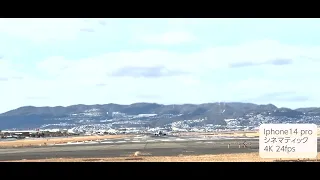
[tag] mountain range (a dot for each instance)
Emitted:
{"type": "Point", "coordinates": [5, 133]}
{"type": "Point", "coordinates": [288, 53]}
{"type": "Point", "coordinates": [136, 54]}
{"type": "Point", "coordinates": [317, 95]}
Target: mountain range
{"type": "Point", "coordinates": [214, 113]}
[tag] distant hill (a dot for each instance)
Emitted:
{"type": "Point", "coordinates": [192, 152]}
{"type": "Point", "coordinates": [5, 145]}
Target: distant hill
{"type": "Point", "coordinates": [215, 113]}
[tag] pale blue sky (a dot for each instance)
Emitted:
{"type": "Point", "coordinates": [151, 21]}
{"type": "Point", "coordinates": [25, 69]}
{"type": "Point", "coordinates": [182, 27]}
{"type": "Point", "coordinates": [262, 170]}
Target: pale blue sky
{"type": "Point", "coordinates": [49, 62]}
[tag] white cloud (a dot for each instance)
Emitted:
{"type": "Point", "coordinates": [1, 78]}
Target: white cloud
{"type": "Point", "coordinates": [9, 70]}
{"type": "Point", "coordinates": [168, 38]}
{"type": "Point", "coordinates": [43, 30]}
{"type": "Point", "coordinates": [76, 81]}
{"type": "Point", "coordinates": [205, 60]}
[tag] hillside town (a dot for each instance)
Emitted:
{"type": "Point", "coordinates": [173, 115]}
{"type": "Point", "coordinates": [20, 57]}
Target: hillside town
{"type": "Point", "coordinates": [84, 124]}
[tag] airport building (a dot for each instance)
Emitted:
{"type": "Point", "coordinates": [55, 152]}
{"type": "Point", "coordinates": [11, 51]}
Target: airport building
{"type": "Point", "coordinates": [36, 133]}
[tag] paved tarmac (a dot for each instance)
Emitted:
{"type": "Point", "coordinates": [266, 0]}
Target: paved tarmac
{"type": "Point", "coordinates": [173, 148]}
{"type": "Point", "coordinates": [121, 148]}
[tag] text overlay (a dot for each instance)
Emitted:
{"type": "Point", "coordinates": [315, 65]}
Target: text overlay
{"type": "Point", "coordinates": [292, 141]}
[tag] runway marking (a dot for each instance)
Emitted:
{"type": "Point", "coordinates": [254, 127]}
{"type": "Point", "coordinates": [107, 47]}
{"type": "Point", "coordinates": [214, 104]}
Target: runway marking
{"type": "Point", "coordinates": [91, 142]}
{"type": "Point", "coordinates": [13, 152]}
{"type": "Point", "coordinates": [188, 151]}
{"type": "Point", "coordinates": [135, 141]}
{"type": "Point", "coordinates": [121, 141]}
{"type": "Point", "coordinates": [165, 140]}
{"type": "Point", "coordinates": [196, 139]}
{"type": "Point", "coordinates": [138, 137]}
{"type": "Point", "coordinates": [75, 142]}
{"type": "Point", "coordinates": [151, 140]}
{"type": "Point", "coordinates": [127, 139]}
{"type": "Point", "coordinates": [107, 142]}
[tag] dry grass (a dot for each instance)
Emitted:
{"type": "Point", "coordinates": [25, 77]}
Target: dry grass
{"type": "Point", "coordinates": [37, 142]}
{"type": "Point", "coordinates": [43, 141]}
{"type": "Point", "coordinates": [241, 157]}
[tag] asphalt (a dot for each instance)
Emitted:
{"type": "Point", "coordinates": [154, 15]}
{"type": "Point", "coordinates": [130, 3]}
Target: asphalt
{"type": "Point", "coordinates": [125, 149]}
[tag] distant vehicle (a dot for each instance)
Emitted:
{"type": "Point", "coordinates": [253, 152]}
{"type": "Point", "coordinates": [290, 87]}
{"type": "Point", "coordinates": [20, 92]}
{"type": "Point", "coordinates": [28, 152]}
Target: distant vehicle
{"type": "Point", "coordinates": [160, 133]}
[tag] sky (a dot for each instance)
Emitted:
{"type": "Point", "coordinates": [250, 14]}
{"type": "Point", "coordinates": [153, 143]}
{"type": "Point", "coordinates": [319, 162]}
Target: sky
{"type": "Point", "coordinates": [61, 62]}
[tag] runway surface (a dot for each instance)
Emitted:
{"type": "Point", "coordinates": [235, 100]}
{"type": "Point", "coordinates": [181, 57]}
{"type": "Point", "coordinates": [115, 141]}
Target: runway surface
{"type": "Point", "coordinates": [148, 146]}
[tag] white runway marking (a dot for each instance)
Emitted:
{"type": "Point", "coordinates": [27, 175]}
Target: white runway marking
{"type": "Point", "coordinates": [135, 141]}
{"type": "Point", "coordinates": [14, 152]}
{"type": "Point", "coordinates": [107, 142]}
{"type": "Point", "coordinates": [196, 139]}
{"type": "Point", "coordinates": [151, 140]}
{"type": "Point", "coordinates": [165, 140]}
{"type": "Point", "coordinates": [92, 142]}
{"type": "Point", "coordinates": [75, 142]}
{"type": "Point", "coordinates": [138, 137]}
{"type": "Point", "coordinates": [121, 141]}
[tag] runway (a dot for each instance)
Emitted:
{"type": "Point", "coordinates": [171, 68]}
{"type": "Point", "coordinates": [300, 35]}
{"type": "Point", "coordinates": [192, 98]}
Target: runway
{"type": "Point", "coordinates": [148, 146]}
{"type": "Point", "coordinates": [121, 148]}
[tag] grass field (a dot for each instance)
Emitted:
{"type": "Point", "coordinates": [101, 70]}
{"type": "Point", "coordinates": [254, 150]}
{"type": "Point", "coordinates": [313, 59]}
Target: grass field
{"type": "Point", "coordinates": [241, 157]}
{"type": "Point", "coordinates": [44, 141]}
